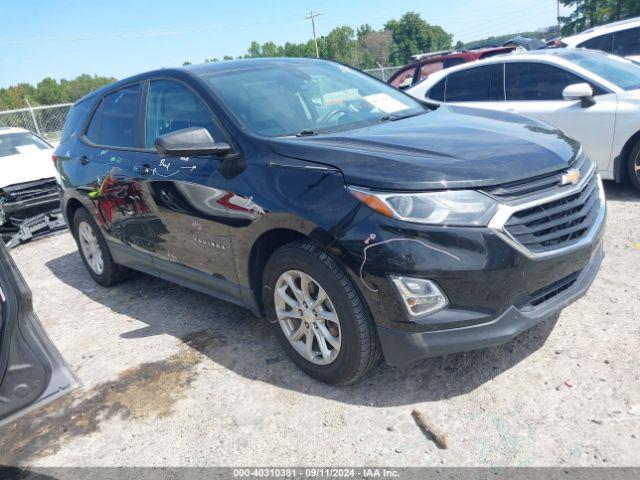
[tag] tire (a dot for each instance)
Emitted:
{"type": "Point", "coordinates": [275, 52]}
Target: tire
{"type": "Point", "coordinates": [633, 166]}
{"type": "Point", "coordinates": [358, 347]}
{"type": "Point", "coordinates": [110, 272]}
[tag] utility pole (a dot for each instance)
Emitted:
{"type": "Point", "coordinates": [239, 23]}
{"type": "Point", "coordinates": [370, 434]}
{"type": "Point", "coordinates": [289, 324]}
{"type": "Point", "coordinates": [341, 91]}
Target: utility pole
{"type": "Point", "coordinates": [312, 17]}
{"type": "Point", "coordinates": [558, 17]}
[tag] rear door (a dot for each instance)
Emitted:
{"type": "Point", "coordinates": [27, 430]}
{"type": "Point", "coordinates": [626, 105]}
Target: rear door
{"type": "Point", "coordinates": [535, 89]}
{"type": "Point", "coordinates": [32, 372]}
{"type": "Point", "coordinates": [116, 189]}
{"type": "Point", "coordinates": [479, 87]}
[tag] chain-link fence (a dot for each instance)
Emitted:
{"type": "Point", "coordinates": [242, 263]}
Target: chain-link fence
{"type": "Point", "coordinates": [46, 121]}
{"type": "Point", "coordinates": [382, 73]}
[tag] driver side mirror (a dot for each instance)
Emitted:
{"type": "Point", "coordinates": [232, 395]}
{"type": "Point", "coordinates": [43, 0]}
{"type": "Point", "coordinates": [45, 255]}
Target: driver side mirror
{"type": "Point", "coordinates": [579, 91]}
{"type": "Point", "coordinates": [192, 141]}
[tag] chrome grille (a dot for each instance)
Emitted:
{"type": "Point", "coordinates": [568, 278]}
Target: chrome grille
{"type": "Point", "coordinates": [540, 185]}
{"type": "Point", "coordinates": [557, 223]}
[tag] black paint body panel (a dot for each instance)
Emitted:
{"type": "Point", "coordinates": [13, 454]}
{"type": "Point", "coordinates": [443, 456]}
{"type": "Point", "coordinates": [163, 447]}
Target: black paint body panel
{"type": "Point", "coordinates": [201, 221]}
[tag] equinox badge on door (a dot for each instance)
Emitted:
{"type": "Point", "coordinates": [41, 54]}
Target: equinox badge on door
{"type": "Point", "coordinates": [571, 177]}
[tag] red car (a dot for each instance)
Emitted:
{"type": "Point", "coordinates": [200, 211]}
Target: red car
{"type": "Point", "coordinates": [425, 64]}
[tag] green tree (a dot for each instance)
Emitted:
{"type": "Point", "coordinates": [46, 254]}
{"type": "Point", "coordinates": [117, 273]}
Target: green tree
{"type": "Point", "coordinates": [339, 45]}
{"type": "Point", "coordinates": [254, 50]}
{"type": "Point", "coordinates": [49, 92]}
{"type": "Point", "coordinates": [590, 13]}
{"type": "Point", "coordinates": [412, 35]}
{"type": "Point", "coordinates": [377, 44]}
{"type": "Point", "coordinates": [270, 49]}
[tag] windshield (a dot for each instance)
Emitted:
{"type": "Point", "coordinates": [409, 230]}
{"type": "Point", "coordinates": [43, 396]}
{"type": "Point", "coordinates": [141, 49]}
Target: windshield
{"type": "Point", "coordinates": [20, 142]}
{"type": "Point", "coordinates": [619, 71]}
{"type": "Point", "coordinates": [308, 98]}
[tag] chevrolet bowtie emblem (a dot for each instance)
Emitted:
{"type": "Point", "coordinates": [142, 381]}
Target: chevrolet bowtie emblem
{"type": "Point", "coordinates": [571, 177]}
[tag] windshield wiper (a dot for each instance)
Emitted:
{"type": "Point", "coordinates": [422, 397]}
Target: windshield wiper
{"type": "Point", "coordinates": [393, 118]}
{"type": "Point", "coordinates": [307, 133]}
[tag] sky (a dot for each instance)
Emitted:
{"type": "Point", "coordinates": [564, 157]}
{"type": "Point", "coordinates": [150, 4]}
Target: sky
{"type": "Point", "coordinates": [62, 39]}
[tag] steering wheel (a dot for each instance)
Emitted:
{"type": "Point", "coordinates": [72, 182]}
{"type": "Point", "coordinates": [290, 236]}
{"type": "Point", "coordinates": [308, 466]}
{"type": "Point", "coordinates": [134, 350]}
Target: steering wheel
{"type": "Point", "coordinates": [334, 112]}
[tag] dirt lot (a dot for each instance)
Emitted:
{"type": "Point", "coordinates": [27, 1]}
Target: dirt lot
{"type": "Point", "coordinates": [172, 377]}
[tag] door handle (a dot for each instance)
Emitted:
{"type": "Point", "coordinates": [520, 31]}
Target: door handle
{"type": "Point", "coordinates": [84, 160]}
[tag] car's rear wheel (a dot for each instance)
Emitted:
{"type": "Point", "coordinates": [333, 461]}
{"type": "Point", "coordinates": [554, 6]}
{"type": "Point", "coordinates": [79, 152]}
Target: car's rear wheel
{"type": "Point", "coordinates": [94, 251]}
{"type": "Point", "coordinates": [317, 314]}
{"type": "Point", "coordinates": [634, 166]}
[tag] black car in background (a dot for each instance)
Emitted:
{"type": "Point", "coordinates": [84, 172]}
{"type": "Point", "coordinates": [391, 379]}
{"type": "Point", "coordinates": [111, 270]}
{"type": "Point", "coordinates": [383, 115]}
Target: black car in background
{"type": "Point", "coordinates": [359, 221]}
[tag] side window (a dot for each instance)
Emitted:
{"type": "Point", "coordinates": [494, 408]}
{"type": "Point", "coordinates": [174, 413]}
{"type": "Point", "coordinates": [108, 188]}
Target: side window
{"type": "Point", "coordinates": [404, 79]}
{"type": "Point", "coordinates": [627, 42]}
{"type": "Point", "coordinates": [603, 42]}
{"type": "Point", "coordinates": [437, 91]}
{"type": "Point", "coordinates": [428, 68]}
{"type": "Point", "coordinates": [172, 106]}
{"type": "Point", "coordinates": [537, 81]}
{"type": "Point", "coordinates": [114, 121]}
{"type": "Point", "coordinates": [452, 62]}
{"type": "Point", "coordinates": [480, 84]}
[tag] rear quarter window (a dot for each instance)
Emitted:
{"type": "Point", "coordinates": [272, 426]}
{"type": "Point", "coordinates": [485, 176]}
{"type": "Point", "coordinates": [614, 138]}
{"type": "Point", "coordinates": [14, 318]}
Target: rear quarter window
{"type": "Point", "coordinates": [404, 79]}
{"type": "Point", "coordinates": [437, 91]}
{"type": "Point", "coordinates": [74, 121]}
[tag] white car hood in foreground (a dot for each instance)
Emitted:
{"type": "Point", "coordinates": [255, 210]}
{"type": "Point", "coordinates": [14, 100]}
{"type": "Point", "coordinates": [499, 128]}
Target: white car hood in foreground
{"type": "Point", "coordinates": [29, 165]}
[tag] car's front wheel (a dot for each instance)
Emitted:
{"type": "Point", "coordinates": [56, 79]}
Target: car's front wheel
{"type": "Point", "coordinates": [94, 251]}
{"type": "Point", "coordinates": [634, 166]}
{"type": "Point", "coordinates": [318, 316]}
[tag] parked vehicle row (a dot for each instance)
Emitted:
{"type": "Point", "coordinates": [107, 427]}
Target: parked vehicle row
{"type": "Point", "coordinates": [592, 96]}
{"type": "Point", "coordinates": [359, 221]}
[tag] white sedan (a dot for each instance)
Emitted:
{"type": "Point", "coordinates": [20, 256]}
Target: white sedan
{"type": "Point", "coordinates": [590, 95]}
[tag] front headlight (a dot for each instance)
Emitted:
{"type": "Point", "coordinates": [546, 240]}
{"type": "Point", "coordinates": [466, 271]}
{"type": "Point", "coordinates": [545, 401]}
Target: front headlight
{"type": "Point", "coordinates": [448, 207]}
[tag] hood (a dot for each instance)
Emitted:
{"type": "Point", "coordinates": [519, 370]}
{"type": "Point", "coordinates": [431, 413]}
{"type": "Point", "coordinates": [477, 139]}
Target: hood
{"type": "Point", "coordinates": [29, 165]}
{"type": "Point", "coordinates": [451, 147]}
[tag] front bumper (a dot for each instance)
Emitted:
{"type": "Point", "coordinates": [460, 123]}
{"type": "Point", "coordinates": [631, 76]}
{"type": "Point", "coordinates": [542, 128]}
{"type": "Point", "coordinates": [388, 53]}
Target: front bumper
{"type": "Point", "coordinates": [28, 210]}
{"type": "Point", "coordinates": [496, 289]}
{"type": "Point", "coordinates": [401, 347]}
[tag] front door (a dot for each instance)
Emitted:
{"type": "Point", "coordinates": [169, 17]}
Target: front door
{"type": "Point", "coordinates": [188, 194]}
{"type": "Point", "coordinates": [535, 90]}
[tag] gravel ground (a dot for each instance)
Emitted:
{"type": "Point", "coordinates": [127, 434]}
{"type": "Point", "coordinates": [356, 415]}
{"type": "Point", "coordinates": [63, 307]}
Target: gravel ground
{"type": "Point", "coordinates": [172, 377]}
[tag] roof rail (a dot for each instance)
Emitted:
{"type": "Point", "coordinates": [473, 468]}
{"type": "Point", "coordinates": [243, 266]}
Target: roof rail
{"type": "Point", "coordinates": [420, 56]}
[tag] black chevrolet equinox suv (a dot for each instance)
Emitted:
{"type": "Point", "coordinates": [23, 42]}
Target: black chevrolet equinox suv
{"type": "Point", "coordinates": [359, 221]}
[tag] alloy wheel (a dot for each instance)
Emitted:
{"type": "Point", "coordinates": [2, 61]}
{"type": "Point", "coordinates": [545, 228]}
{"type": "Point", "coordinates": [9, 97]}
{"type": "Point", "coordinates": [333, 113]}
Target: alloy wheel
{"type": "Point", "coordinates": [90, 248]}
{"type": "Point", "coordinates": [307, 317]}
